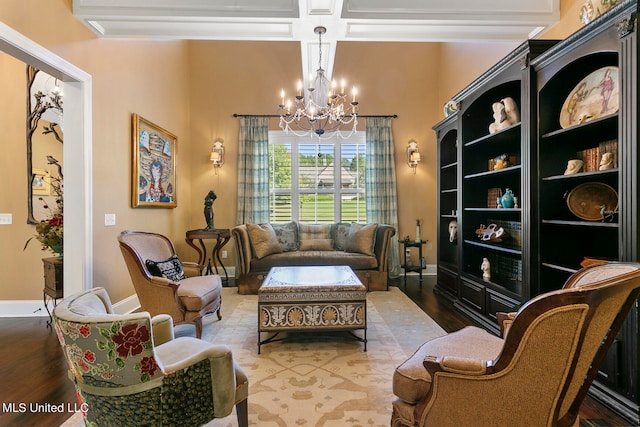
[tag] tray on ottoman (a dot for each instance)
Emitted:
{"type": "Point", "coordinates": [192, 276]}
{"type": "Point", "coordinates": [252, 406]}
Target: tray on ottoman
{"type": "Point", "coordinates": [318, 298]}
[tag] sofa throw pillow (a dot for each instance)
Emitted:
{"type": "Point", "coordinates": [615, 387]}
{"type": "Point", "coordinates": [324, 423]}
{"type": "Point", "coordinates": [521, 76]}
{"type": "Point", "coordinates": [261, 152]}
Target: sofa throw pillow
{"type": "Point", "coordinates": [263, 240]}
{"type": "Point", "coordinates": [309, 232]}
{"type": "Point", "coordinates": [316, 245]}
{"type": "Point", "coordinates": [361, 238]}
{"type": "Point", "coordinates": [287, 235]}
{"type": "Point", "coordinates": [339, 233]}
{"type": "Point", "coordinates": [314, 231]}
{"type": "Point", "coordinates": [170, 268]}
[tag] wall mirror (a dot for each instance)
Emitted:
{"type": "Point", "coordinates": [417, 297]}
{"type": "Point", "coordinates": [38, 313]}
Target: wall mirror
{"type": "Point", "coordinates": [44, 141]}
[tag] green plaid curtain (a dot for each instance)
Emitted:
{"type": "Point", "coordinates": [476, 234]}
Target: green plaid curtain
{"type": "Point", "coordinates": [253, 171]}
{"type": "Point", "coordinates": [380, 182]}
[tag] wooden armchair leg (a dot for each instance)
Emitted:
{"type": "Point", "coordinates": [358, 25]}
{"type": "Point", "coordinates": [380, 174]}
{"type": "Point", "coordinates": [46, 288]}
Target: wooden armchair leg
{"type": "Point", "coordinates": [242, 412]}
{"type": "Point", "coordinates": [218, 312]}
{"type": "Point", "coordinates": [198, 324]}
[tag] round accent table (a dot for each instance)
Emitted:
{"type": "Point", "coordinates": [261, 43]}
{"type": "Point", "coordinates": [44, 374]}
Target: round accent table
{"type": "Point", "coordinates": [221, 237]}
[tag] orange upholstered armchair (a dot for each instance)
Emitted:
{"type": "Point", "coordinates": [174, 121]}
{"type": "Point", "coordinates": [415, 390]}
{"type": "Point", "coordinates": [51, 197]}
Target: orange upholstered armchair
{"type": "Point", "coordinates": [537, 374]}
{"type": "Point", "coordinates": [165, 285]}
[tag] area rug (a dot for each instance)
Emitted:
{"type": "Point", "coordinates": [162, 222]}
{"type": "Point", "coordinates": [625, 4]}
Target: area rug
{"type": "Point", "coordinates": [320, 380]}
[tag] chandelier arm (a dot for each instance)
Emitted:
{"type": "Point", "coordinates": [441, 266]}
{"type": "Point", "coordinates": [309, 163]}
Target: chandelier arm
{"type": "Point", "coordinates": [362, 116]}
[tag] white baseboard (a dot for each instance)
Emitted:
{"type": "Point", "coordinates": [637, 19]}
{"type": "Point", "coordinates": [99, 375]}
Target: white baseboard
{"type": "Point", "coordinates": [231, 272]}
{"type": "Point", "coordinates": [35, 308]}
{"type": "Point", "coordinates": [24, 308]}
{"type": "Point", "coordinates": [127, 305]}
{"type": "Point", "coordinates": [432, 270]}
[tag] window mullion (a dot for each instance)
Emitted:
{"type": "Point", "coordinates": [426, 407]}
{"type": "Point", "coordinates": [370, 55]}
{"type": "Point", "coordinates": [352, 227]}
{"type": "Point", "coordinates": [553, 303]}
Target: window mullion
{"type": "Point", "coordinates": [337, 179]}
{"type": "Point", "coordinates": [295, 196]}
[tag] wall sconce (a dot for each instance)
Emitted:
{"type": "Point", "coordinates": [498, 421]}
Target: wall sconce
{"type": "Point", "coordinates": [217, 154]}
{"type": "Point", "coordinates": [413, 155]}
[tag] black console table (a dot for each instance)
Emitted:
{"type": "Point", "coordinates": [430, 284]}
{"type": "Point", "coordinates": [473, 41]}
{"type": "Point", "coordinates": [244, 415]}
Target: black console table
{"type": "Point", "coordinates": [409, 266]}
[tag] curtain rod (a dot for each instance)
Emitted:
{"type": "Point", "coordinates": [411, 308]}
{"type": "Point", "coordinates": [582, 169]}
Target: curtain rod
{"type": "Point", "coordinates": [392, 116]}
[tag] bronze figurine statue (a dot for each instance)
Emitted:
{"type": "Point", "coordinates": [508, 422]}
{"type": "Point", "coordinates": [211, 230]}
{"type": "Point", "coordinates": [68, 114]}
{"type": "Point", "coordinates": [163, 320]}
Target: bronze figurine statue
{"type": "Point", "coordinates": [208, 209]}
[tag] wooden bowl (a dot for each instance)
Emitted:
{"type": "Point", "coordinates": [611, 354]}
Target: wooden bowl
{"type": "Point", "coordinates": [586, 200]}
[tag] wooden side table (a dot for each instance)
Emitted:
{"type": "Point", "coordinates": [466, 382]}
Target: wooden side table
{"type": "Point", "coordinates": [53, 283]}
{"type": "Point", "coordinates": [417, 268]}
{"type": "Point", "coordinates": [221, 236]}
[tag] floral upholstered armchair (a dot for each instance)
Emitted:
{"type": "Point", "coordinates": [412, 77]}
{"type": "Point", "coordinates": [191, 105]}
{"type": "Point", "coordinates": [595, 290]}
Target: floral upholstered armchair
{"type": "Point", "coordinates": [130, 371]}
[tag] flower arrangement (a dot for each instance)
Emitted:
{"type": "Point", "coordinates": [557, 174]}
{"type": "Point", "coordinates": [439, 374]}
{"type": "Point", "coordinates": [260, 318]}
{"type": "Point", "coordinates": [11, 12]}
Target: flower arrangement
{"type": "Point", "coordinates": [50, 231]}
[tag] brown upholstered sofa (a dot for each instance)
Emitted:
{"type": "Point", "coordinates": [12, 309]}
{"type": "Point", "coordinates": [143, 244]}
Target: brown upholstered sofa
{"type": "Point", "coordinates": [364, 248]}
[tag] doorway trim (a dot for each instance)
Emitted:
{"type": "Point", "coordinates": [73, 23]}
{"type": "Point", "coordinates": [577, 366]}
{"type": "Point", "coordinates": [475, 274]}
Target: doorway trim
{"type": "Point", "coordinates": [77, 152]}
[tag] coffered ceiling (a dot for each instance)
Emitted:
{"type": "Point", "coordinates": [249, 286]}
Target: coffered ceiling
{"type": "Point", "coordinates": [294, 20]}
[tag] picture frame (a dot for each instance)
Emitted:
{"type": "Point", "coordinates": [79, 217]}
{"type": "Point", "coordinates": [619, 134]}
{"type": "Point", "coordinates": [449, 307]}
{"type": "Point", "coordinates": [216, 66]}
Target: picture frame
{"type": "Point", "coordinates": [41, 183]}
{"type": "Point", "coordinates": [153, 172]}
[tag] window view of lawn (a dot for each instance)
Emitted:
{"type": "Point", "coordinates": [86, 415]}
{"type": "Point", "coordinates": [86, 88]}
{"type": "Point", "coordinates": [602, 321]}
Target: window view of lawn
{"type": "Point", "coordinates": [305, 175]}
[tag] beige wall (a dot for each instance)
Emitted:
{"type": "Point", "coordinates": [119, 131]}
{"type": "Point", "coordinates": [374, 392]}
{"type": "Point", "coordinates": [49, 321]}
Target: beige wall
{"type": "Point", "coordinates": [227, 78]}
{"type": "Point", "coordinates": [192, 89]}
{"type": "Point", "coordinates": [569, 22]}
{"type": "Point", "coordinates": [146, 77]}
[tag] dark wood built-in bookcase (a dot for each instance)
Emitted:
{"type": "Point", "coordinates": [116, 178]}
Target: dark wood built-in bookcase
{"type": "Point", "coordinates": [569, 236]}
{"type": "Point", "coordinates": [448, 270]}
{"type": "Point", "coordinates": [550, 238]}
{"type": "Point", "coordinates": [469, 183]}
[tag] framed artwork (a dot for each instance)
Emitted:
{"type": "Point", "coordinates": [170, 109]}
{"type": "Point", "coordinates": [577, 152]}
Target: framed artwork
{"type": "Point", "coordinates": [41, 184]}
{"type": "Point", "coordinates": [153, 175]}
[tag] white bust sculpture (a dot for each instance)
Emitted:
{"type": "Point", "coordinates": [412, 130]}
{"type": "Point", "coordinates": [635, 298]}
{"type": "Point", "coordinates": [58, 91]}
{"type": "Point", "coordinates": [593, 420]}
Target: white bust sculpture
{"type": "Point", "coordinates": [606, 162]}
{"type": "Point", "coordinates": [573, 166]}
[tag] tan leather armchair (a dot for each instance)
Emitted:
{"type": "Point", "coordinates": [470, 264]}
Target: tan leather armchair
{"type": "Point", "coordinates": [130, 371]}
{"type": "Point", "coordinates": [186, 300]}
{"type": "Point", "coordinates": [536, 375]}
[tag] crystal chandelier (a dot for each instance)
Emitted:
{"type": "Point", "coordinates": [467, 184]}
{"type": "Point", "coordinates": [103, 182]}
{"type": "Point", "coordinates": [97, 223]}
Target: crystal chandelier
{"type": "Point", "coordinates": [324, 110]}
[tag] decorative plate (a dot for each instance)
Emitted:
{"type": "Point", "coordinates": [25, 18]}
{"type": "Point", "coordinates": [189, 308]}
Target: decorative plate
{"type": "Point", "coordinates": [597, 95]}
{"type": "Point", "coordinates": [586, 200]}
{"type": "Point", "coordinates": [450, 107]}
{"type": "Point", "coordinates": [591, 9]}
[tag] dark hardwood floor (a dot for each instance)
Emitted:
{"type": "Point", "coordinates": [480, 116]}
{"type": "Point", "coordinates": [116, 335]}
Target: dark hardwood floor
{"type": "Point", "coordinates": [33, 370]}
{"type": "Point", "coordinates": [592, 413]}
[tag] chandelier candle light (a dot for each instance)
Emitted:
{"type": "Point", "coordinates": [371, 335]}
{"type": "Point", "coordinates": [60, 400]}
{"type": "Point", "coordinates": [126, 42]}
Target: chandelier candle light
{"type": "Point", "coordinates": [322, 110]}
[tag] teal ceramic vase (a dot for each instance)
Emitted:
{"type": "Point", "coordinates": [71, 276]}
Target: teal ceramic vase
{"type": "Point", "coordinates": [507, 199]}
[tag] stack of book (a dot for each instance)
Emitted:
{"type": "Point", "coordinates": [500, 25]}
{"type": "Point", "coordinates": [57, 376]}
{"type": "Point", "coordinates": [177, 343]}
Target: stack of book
{"type": "Point", "coordinates": [492, 197]}
{"type": "Point", "coordinates": [507, 267]}
{"type": "Point", "coordinates": [592, 156]}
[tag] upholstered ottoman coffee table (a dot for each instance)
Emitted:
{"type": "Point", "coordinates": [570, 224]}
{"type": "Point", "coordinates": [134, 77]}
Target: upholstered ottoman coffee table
{"type": "Point", "coordinates": [321, 298]}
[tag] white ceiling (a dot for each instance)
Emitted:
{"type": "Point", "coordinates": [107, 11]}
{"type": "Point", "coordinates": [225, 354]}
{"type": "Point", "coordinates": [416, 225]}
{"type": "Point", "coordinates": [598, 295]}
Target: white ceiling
{"type": "Point", "coordinates": [345, 20]}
